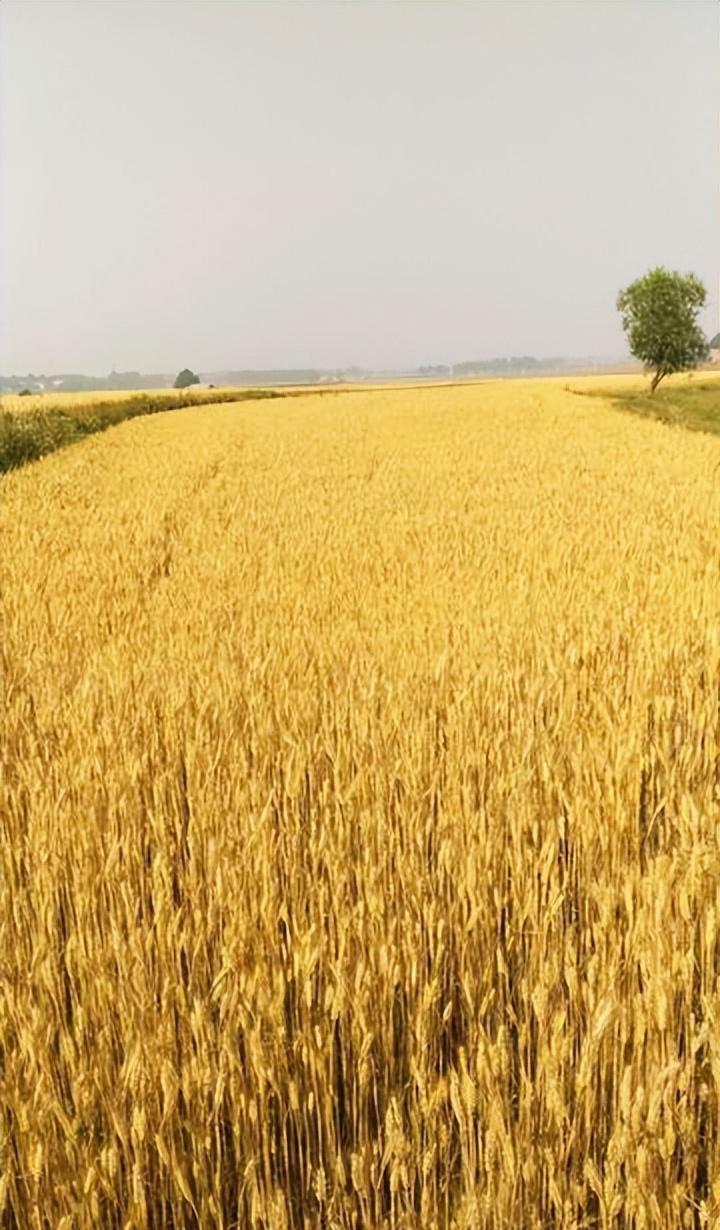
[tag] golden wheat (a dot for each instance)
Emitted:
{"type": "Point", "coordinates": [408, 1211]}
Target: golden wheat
{"type": "Point", "coordinates": [13, 403]}
{"type": "Point", "coordinates": [360, 819]}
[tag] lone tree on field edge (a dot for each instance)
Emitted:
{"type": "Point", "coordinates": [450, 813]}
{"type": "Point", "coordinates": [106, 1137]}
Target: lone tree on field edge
{"type": "Point", "coordinates": [659, 314]}
{"type": "Point", "coordinates": [185, 378]}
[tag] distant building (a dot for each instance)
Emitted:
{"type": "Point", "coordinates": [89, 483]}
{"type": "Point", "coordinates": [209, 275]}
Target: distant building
{"type": "Point", "coordinates": [714, 356]}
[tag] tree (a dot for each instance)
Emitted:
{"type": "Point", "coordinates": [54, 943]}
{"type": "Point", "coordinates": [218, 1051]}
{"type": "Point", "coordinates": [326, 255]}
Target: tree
{"type": "Point", "coordinates": [659, 316]}
{"type": "Point", "coordinates": [185, 378]}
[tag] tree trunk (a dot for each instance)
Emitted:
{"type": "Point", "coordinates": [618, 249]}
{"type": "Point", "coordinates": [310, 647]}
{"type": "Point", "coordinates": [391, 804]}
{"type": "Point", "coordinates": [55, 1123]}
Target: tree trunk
{"type": "Point", "coordinates": [656, 379]}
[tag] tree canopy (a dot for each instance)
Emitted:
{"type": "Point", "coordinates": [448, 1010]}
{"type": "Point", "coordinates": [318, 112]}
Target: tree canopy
{"type": "Point", "coordinates": [185, 378]}
{"type": "Point", "coordinates": [659, 314]}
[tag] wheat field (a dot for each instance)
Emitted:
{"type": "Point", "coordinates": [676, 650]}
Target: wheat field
{"type": "Point", "coordinates": [359, 819]}
{"type": "Point", "coordinates": [13, 403]}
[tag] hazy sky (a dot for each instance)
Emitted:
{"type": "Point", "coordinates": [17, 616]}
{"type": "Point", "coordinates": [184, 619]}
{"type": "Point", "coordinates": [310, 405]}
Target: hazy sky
{"type": "Point", "coordinates": [227, 184]}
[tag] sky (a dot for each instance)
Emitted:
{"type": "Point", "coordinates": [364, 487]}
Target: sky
{"type": "Point", "coordinates": [219, 184]}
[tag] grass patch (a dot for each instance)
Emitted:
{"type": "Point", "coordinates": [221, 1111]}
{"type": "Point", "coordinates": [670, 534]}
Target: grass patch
{"type": "Point", "coordinates": [694, 405]}
{"type": "Point", "coordinates": [29, 435]}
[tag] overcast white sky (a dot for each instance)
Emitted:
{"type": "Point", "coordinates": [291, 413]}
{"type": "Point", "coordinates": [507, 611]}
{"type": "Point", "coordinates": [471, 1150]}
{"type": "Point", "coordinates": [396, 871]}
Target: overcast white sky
{"type": "Point", "coordinates": [225, 184]}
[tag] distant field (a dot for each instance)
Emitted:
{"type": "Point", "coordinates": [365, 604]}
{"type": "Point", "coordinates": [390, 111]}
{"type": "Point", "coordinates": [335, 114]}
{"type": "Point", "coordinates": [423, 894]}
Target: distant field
{"type": "Point", "coordinates": [360, 815]}
{"type": "Point", "coordinates": [68, 402]}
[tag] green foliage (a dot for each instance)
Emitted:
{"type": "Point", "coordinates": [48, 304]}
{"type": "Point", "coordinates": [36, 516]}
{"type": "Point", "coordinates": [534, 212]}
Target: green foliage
{"type": "Point", "coordinates": [659, 315]}
{"type": "Point", "coordinates": [185, 378]}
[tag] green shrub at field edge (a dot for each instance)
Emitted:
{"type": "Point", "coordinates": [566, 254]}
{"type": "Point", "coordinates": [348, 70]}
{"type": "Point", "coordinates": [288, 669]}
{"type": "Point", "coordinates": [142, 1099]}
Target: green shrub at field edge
{"type": "Point", "coordinates": [694, 404]}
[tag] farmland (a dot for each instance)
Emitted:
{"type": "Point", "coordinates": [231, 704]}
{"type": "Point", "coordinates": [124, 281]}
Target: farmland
{"type": "Point", "coordinates": [359, 854]}
{"type": "Point", "coordinates": [32, 427]}
{"type": "Point", "coordinates": [691, 402]}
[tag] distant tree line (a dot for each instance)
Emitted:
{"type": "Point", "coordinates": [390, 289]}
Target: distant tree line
{"type": "Point", "coordinates": [505, 365]}
{"type": "Point", "coordinates": [76, 382]}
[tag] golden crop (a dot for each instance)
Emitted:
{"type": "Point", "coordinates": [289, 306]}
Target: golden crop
{"type": "Point", "coordinates": [13, 403]}
{"type": "Point", "coordinates": [359, 819]}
